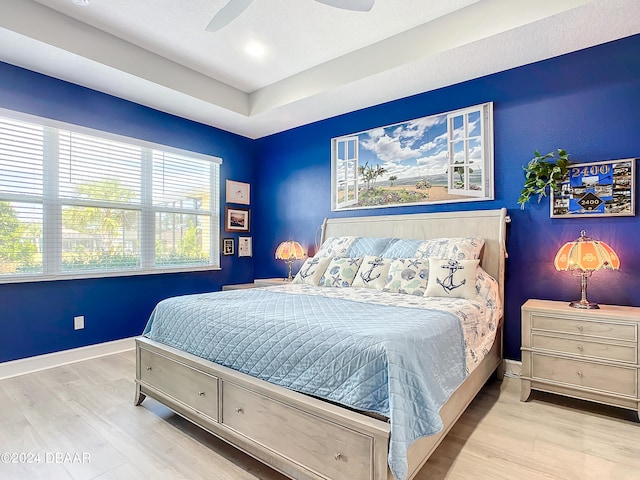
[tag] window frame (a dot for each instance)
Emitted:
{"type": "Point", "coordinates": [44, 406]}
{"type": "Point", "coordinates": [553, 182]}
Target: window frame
{"type": "Point", "coordinates": [52, 204]}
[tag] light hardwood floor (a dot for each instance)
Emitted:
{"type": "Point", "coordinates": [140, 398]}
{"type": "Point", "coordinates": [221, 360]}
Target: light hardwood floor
{"type": "Point", "coordinates": [81, 421]}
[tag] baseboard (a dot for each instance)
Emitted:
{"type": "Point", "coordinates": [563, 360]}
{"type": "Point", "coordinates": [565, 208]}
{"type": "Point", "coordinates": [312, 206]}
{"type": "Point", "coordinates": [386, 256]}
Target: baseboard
{"type": "Point", "coordinates": [512, 368]}
{"type": "Point", "coordinates": [50, 360]}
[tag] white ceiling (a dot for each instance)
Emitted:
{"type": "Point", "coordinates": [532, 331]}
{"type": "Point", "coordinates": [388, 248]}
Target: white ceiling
{"type": "Point", "coordinates": [319, 61]}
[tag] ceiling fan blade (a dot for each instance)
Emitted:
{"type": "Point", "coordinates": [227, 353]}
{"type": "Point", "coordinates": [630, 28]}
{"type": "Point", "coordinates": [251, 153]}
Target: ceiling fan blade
{"type": "Point", "coordinates": [227, 14]}
{"type": "Point", "coordinates": [355, 5]}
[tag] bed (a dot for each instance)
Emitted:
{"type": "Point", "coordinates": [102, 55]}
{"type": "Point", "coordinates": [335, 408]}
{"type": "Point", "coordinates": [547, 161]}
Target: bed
{"type": "Point", "coordinates": [320, 422]}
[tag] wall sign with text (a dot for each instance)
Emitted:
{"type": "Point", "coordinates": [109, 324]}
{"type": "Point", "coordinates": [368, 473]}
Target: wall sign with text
{"type": "Point", "coordinates": [598, 189]}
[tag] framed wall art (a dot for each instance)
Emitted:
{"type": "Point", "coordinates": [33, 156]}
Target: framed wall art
{"type": "Point", "coordinates": [238, 192]}
{"type": "Point", "coordinates": [236, 219]}
{"type": "Point", "coordinates": [598, 189]}
{"type": "Point", "coordinates": [441, 158]}
{"type": "Point", "coordinates": [228, 246]}
{"type": "Point", "coordinates": [244, 247]}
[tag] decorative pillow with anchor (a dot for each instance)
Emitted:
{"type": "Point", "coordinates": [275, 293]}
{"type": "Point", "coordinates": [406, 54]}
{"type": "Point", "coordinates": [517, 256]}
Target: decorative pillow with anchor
{"type": "Point", "coordinates": [312, 270]}
{"type": "Point", "coordinates": [372, 273]}
{"type": "Point", "coordinates": [452, 278]}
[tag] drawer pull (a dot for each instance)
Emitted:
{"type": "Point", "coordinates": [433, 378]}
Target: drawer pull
{"type": "Point", "coordinates": [580, 347]}
{"type": "Point", "coordinates": [201, 394]}
{"type": "Point", "coordinates": [580, 373]}
{"type": "Point", "coordinates": [149, 368]}
{"type": "Point", "coordinates": [239, 410]}
{"type": "Point", "coordinates": [338, 457]}
{"type": "Point", "coordinates": [580, 328]}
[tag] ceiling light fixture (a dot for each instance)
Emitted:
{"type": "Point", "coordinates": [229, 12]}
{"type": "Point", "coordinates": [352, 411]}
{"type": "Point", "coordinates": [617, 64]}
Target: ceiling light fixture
{"type": "Point", "coordinates": [255, 49]}
{"type": "Point", "coordinates": [81, 3]}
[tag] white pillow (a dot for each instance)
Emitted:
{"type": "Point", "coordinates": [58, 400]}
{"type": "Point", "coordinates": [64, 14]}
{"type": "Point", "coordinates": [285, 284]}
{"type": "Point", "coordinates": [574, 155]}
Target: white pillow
{"type": "Point", "coordinates": [340, 272]}
{"type": "Point", "coordinates": [452, 278]}
{"type": "Point", "coordinates": [372, 273]}
{"type": "Point", "coordinates": [408, 275]}
{"type": "Point", "coordinates": [312, 270]}
{"type": "Point", "coordinates": [335, 246]}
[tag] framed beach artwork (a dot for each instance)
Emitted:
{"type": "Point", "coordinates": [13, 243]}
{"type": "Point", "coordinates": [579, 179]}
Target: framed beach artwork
{"type": "Point", "coordinates": [440, 158]}
{"type": "Point", "coordinates": [236, 219]}
{"type": "Point", "coordinates": [238, 192]}
{"type": "Point", "coordinates": [598, 189]}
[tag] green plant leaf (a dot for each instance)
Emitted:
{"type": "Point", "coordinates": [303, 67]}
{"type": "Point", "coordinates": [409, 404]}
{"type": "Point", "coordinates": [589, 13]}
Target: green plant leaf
{"type": "Point", "coordinates": [542, 173]}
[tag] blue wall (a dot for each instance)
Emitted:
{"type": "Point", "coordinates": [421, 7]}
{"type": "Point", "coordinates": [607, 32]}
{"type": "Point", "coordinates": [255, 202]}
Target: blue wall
{"type": "Point", "coordinates": [37, 318]}
{"type": "Point", "coordinates": [586, 102]}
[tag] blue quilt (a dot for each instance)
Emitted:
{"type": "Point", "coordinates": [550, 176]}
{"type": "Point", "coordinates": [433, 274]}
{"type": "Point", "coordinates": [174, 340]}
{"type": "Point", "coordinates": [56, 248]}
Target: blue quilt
{"type": "Point", "coordinates": [400, 362]}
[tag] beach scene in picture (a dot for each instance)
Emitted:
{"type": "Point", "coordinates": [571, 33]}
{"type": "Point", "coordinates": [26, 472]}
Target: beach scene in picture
{"type": "Point", "coordinates": [433, 159]}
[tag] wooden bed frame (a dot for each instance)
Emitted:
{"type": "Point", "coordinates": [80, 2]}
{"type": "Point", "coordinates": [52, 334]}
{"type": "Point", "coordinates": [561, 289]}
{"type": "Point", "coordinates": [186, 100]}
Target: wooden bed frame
{"type": "Point", "coordinates": [301, 436]}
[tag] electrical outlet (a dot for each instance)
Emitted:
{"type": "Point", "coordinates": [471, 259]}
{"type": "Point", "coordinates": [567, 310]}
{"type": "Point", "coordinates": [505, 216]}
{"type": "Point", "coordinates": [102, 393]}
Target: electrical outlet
{"type": "Point", "coordinates": [78, 322]}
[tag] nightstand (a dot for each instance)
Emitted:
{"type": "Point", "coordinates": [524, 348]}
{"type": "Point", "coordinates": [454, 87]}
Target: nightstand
{"type": "Point", "coordinates": [259, 282]}
{"type": "Point", "coordinates": [271, 282]}
{"type": "Point", "coordinates": [586, 354]}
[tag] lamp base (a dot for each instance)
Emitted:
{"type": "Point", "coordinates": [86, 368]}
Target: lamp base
{"type": "Point", "coordinates": [586, 304]}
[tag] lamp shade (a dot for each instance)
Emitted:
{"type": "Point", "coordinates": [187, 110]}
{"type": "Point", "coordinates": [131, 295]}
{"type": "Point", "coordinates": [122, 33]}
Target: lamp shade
{"type": "Point", "coordinates": [290, 250]}
{"type": "Point", "coordinates": [587, 255]}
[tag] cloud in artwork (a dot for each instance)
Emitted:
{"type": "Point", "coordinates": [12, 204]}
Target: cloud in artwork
{"type": "Point", "coordinates": [405, 141]}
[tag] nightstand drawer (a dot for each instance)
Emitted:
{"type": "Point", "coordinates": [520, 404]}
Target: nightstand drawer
{"type": "Point", "coordinates": [605, 378]}
{"type": "Point", "coordinates": [614, 331]}
{"type": "Point", "coordinates": [586, 348]}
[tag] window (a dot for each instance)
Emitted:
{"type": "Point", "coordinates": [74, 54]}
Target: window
{"type": "Point", "coordinates": [75, 202]}
{"type": "Point", "coordinates": [441, 158]}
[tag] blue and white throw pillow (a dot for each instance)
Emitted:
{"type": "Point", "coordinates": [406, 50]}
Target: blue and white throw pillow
{"type": "Point", "coordinates": [372, 273]}
{"type": "Point", "coordinates": [312, 270]}
{"type": "Point", "coordinates": [452, 278]}
{"type": "Point", "coordinates": [335, 246]}
{"type": "Point", "coordinates": [408, 275]}
{"type": "Point", "coordinates": [457, 248]}
{"type": "Point", "coordinates": [340, 272]}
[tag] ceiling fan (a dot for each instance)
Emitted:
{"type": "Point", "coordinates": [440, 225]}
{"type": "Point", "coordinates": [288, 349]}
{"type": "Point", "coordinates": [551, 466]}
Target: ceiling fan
{"type": "Point", "coordinates": [235, 7]}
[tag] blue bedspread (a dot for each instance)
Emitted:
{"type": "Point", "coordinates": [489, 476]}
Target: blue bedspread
{"type": "Point", "coordinates": [396, 361]}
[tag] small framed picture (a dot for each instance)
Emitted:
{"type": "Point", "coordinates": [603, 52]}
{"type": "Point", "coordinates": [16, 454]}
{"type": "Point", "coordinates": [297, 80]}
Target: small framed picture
{"type": "Point", "coordinates": [236, 219]}
{"type": "Point", "coordinates": [228, 246]}
{"type": "Point", "coordinates": [244, 247]}
{"type": "Point", "coordinates": [238, 192]}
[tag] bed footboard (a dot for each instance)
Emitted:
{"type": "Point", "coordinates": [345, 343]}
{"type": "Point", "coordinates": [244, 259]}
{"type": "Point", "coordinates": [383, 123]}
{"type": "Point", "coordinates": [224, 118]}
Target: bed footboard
{"type": "Point", "coordinates": [302, 437]}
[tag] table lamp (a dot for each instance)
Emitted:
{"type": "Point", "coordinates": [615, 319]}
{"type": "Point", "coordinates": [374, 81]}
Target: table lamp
{"type": "Point", "coordinates": [290, 251]}
{"type": "Point", "coordinates": [582, 257]}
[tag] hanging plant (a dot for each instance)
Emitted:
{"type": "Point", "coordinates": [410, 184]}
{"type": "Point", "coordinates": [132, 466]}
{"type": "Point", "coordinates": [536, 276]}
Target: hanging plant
{"type": "Point", "coordinates": [543, 173]}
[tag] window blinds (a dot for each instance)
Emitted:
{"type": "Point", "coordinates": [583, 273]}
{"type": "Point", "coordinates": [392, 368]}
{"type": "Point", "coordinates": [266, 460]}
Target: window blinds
{"type": "Point", "coordinates": [76, 202]}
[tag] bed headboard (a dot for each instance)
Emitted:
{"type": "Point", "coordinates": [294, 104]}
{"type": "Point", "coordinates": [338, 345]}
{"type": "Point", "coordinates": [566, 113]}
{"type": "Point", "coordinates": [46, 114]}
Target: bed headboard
{"type": "Point", "coordinates": [487, 224]}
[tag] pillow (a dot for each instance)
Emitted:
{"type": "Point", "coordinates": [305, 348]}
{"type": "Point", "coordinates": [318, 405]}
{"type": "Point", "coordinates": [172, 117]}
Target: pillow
{"type": "Point", "coordinates": [457, 248]}
{"type": "Point", "coordinates": [407, 275]}
{"type": "Point", "coordinates": [372, 273]}
{"type": "Point", "coordinates": [335, 247]}
{"type": "Point", "coordinates": [363, 246]}
{"type": "Point", "coordinates": [340, 272]}
{"type": "Point", "coordinates": [355, 247]}
{"type": "Point", "coordinates": [312, 270]}
{"type": "Point", "coordinates": [402, 248]}
{"type": "Point", "coordinates": [452, 248]}
{"type": "Point", "coordinates": [452, 278]}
